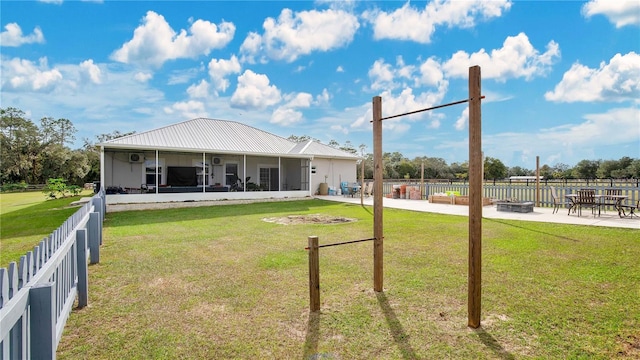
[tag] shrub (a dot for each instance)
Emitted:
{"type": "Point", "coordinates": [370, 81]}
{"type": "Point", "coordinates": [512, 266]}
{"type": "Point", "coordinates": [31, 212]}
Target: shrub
{"type": "Point", "coordinates": [55, 187]}
{"type": "Point", "coordinates": [21, 186]}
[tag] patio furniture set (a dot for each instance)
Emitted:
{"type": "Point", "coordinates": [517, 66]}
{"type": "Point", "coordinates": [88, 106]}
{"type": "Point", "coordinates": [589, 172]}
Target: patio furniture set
{"type": "Point", "coordinates": [588, 199]}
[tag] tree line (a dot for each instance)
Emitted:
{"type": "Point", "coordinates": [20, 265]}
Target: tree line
{"type": "Point", "coordinates": [33, 154]}
{"type": "Point", "coordinates": [397, 166]}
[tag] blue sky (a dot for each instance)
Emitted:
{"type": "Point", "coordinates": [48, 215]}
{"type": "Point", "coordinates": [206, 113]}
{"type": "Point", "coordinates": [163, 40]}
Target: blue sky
{"type": "Point", "coordinates": [561, 78]}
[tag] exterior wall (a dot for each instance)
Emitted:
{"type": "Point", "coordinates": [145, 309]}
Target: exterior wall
{"type": "Point", "coordinates": [335, 170]}
{"type": "Point", "coordinates": [119, 172]}
{"type": "Point", "coordinates": [293, 175]}
{"type": "Point", "coordinates": [182, 197]}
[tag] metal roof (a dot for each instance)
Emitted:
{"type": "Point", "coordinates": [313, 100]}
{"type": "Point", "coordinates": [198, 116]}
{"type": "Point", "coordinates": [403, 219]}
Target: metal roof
{"type": "Point", "coordinates": [224, 137]}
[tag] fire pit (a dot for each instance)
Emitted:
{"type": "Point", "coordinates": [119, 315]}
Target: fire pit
{"type": "Point", "coordinates": [515, 206]}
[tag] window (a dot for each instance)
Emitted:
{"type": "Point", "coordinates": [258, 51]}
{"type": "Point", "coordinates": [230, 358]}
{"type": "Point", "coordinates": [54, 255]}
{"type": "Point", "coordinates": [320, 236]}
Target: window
{"type": "Point", "coordinates": [231, 173]}
{"type": "Point", "coordinates": [269, 179]}
{"type": "Point", "coordinates": [199, 173]}
{"type": "Point", "coordinates": [150, 172]}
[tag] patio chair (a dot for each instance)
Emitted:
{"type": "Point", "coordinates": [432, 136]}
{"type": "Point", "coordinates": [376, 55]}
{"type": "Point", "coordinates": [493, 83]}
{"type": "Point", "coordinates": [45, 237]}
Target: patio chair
{"type": "Point", "coordinates": [609, 198]}
{"type": "Point", "coordinates": [587, 199]}
{"type": "Point", "coordinates": [558, 201]}
{"type": "Point", "coordinates": [632, 207]}
{"type": "Point", "coordinates": [368, 189]}
{"type": "Point", "coordinates": [345, 189]}
{"type": "Point", "coordinates": [355, 189]}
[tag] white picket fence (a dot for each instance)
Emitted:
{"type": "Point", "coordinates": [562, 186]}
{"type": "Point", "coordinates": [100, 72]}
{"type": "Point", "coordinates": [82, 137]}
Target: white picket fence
{"type": "Point", "coordinates": [38, 294]}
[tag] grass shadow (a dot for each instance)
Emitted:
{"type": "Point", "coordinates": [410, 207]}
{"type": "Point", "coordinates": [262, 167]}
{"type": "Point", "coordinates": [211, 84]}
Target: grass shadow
{"type": "Point", "coordinates": [313, 334]}
{"type": "Point", "coordinates": [399, 335]}
{"type": "Point", "coordinates": [562, 237]}
{"type": "Point", "coordinates": [490, 342]}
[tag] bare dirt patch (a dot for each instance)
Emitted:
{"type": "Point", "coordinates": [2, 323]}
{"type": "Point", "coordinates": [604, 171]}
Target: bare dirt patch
{"type": "Point", "coordinates": [309, 219]}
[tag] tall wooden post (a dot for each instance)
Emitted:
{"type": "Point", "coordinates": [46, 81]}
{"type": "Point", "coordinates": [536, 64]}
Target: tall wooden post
{"type": "Point", "coordinates": [421, 179]}
{"type": "Point", "coordinates": [377, 195]}
{"type": "Point", "coordinates": [475, 197]}
{"type": "Point", "coordinates": [537, 181]}
{"type": "Point", "coordinates": [362, 182]}
{"type": "Point", "coordinates": [314, 274]}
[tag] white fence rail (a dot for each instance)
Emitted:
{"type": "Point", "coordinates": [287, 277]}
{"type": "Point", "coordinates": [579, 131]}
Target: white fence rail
{"type": "Point", "coordinates": [38, 293]}
{"type": "Point", "coordinates": [520, 190]}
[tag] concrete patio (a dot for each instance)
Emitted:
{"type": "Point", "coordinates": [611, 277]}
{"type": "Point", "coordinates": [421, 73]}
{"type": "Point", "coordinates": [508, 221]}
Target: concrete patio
{"type": "Point", "coordinates": [609, 218]}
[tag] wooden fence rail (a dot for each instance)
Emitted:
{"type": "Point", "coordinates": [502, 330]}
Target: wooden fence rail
{"type": "Point", "coordinates": [38, 293]}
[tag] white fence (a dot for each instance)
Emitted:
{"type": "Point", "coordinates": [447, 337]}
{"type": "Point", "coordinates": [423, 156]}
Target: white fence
{"type": "Point", "coordinates": [38, 293]}
{"type": "Point", "coordinates": [521, 191]}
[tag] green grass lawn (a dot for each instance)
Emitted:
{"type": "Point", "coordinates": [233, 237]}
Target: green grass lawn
{"type": "Point", "coordinates": [219, 282]}
{"type": "Point", "coordinates": [26, 218]}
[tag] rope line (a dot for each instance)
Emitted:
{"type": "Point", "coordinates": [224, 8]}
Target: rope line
{"type": "Point", "coordinates": [342, 243]}
{"type": "Point", "coordinates": [427, 109]}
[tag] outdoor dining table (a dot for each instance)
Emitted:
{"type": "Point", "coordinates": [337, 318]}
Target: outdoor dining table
{"type": "Point", "coordinates": [573, 198]}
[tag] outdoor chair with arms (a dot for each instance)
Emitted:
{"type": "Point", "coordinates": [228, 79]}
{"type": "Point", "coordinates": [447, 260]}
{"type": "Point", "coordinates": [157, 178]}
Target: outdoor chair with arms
{"type": "Point", "coordinates": [610, 199]}
{"type": "Point", "coordinates": [587, 199]}
{"type": "Point", "coordinates": [558, 201]}
{"type": "Point", "coordinates": [345, 189]}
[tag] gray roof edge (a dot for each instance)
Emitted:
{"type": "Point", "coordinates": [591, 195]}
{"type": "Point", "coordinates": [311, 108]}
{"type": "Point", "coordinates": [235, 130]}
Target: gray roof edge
{"type": "Point", "coordinates": [209, 151]}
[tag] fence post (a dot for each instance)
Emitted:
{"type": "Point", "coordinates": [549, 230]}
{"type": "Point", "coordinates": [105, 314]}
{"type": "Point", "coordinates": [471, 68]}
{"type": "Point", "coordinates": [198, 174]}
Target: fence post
{"type": "Point", "coordinates": [94, 236]}
{"type": "Point", "coordinates": [43, 322]}
{"type": "Point", "coordinates": [99, 207]}
{"type": "Point", "coordinates": [83, 270]}
{"type": "Point", "coordinates": [314, 274]}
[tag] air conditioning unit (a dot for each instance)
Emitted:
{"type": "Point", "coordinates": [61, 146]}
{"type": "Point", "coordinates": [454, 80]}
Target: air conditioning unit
{"type": "Point", "coordinates": [136, 157]}
{"type": "Point", "coordinates": [217, 161]}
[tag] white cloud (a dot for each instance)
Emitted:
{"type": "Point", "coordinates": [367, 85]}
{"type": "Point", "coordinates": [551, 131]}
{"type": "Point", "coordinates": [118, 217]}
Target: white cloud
{"type": "Point", "coordinates": [187, 109]}
{"type": "Point", "coordinates": [617, 81]}
{"type": "Point", "coordinates": [92, 71]}
{"type": "Point", "coordinates": [251, 46]}
{"type": "Point", "coordinates": [619, 12]}
{"type": "Point", "coordinates": [463, 120]}
{"type": "Point", "coordinates": [285, 116]}
{"type": "Point", "coordinates": [142, 76]}
{"type": "Point", "coordinates": [402, 103]}
{"type": "Point", "coordinates": [155, 42]}
{"type": "Point", "coordinates": [220, 69]}
{"type": "Point", "coordinates": [296, 34]}
{"type": "Point", "coordinates": [200, 90]}
{"type": "Point", "coordinates": [517, 58]}
{"type": "Point", "coordinates": [381, 75]}
{"type": "Point", "coordinates": [254, 92]}
{"type": "Point", "coordinates": [323, 98]}
{"type": "Point", "coordinates": [25, 75]}
{"type": "Point", "coordinates": [12, 36]}
{"type": "Point", "coordinates": [340, 69]}
{"type": "Point", "coordinates": [574, 142]}
{"type": "Point", "coordinates": [410, 23]}
{"type": "Point", "coordinates": [430, 73]}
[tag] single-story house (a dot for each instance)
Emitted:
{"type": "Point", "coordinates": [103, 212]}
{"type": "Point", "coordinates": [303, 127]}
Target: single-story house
{"type": "Point", "coordinates": [208, 159]}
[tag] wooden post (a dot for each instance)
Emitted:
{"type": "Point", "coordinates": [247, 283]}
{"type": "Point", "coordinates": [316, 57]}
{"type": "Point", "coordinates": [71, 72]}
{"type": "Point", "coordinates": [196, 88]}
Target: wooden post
{"type": "Point", "coordinates": [537, 181]}
{"type": "Point", "coordinates": [421, 179]}
{"type": "Point", "coordinates": [314, 274]}
{"type": "Point", "coordinates": [475, 197]}
{"type": "Point", "coordinates": [377, 196]}
{"type": "Point", "coordinates": [362, 182]}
